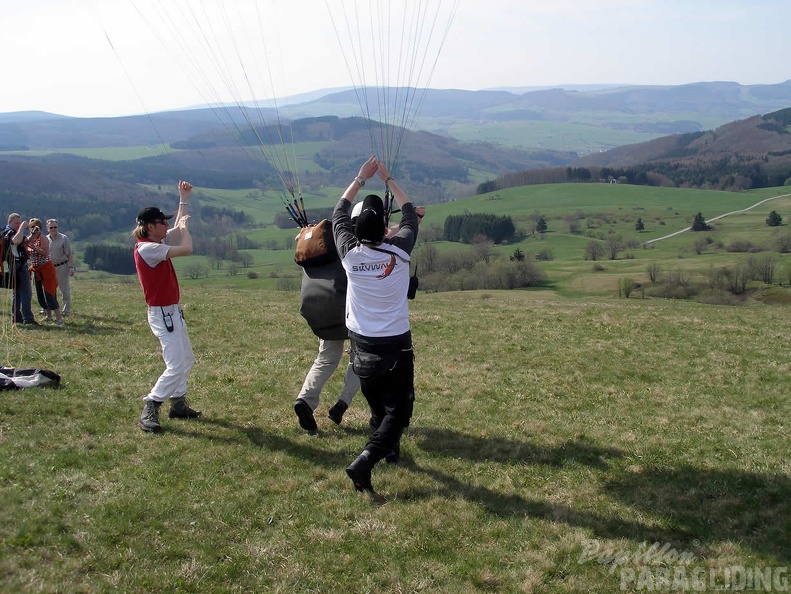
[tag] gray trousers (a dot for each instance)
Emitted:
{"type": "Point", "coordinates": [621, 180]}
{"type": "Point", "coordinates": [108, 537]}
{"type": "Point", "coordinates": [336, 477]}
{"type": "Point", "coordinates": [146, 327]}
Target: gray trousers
{"type": "Point", "coordinates": [327, 361]}
{"type": "Point", "coordinates": [65, 289]}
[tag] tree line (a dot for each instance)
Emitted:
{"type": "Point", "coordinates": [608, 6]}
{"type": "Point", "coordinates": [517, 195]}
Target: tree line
{"type": "Point", "coordinates": [464, 228]}
{"type": "Point", "coordinates": [735, 173]}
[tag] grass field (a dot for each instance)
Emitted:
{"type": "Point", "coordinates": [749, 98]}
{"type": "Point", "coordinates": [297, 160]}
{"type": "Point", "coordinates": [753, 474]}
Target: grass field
{"type": "Point", "coordinates": [600, 211]}
{"type": "Point", "coordinates": [118, 153]}
{"type": "Point", "coordinates": [558, 445]}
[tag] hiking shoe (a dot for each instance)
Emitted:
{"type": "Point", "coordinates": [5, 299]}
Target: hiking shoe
{"type": "Point", "coordinates": [360, 473]}
{"type": "Point", "coordinates": [305, 416]}
{"type": "Point", "coordinates": [336, 412]}
{"type": "Point", "coordinates": [180, 409]}
{"type": "Point", "coordinates": [59, 322]}
{"type": "Point", "coordinates": [149, 419]}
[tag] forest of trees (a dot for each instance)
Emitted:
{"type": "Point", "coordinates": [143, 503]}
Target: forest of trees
{"type": "Point", "coordinates": [733, 173]}
{"type": "Point", "coordinates": [464, 228]}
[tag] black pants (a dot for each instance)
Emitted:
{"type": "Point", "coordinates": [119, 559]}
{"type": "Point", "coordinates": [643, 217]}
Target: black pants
{"type": "Point", "coordinates": [387, 375]}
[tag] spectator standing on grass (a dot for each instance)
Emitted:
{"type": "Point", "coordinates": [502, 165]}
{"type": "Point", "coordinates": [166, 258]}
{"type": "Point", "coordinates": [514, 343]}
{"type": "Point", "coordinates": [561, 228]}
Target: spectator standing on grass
{"type": "Point", "coordinates": [377, 314]}
{"type": "Point", "coordinates": [63, 259]}
{"type": "Point", "coordinates": [156, 246]}
{"type": "Point", "coordinates": [45, 278]}
{"type": "Point", "coordinates": [16, 256]}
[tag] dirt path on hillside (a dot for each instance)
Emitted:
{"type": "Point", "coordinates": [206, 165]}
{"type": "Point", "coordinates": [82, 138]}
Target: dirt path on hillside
{"type": "Point", "coordinates": [727, 214]}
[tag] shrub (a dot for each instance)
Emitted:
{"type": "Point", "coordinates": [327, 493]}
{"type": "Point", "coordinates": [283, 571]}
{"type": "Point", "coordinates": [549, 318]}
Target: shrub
{"type": "Point", "coordinates": [699, 223]}
{"type": "Point", "coordinates": [626, 286]}
{"type": "Point", "coordinates": [653, 270]}
{"type": "Point", "coordinates": [774, 219]}
{"type": "Point", "coordinates": [741, 246]}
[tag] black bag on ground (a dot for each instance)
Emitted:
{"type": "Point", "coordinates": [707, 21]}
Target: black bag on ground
{"type": "Point", "coordinates": [15, 379]}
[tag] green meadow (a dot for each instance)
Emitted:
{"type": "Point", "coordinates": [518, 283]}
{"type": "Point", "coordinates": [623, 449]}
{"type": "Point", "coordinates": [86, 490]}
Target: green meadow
{"type": "Point", "coordinates": [599, 211]}
{"type": "Point", "coordinates": [118, 153]}
{"type": "Point", "coordinates": [564, 439]}
{"type": "Point", "coordinates": [584, 444]}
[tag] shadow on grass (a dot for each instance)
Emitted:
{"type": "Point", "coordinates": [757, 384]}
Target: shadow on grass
{"type": "Point", "coordinates": [94, 326]}
{"type": "Point", "coordinates": [445, 442]}
{"type": "Point", "coordinates": [259, 438]}
{"type": "Point", "coordinates": [709, 505]}
{"type": "Point", "coordinates": [687, 507]}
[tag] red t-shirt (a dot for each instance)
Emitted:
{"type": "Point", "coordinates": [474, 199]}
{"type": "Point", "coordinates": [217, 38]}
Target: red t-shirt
{"type": "Point", "coordinates": [156, 273]}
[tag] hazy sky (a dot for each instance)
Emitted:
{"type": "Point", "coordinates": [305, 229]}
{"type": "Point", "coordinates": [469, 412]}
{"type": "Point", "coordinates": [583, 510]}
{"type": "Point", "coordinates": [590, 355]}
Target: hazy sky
{"type": "Point", "coordinates": [116, 57]}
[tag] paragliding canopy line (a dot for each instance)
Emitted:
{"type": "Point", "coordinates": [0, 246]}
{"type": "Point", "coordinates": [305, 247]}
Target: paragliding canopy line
{"type": "Point", "coordinates": [391, 49]}
{"type": "Point", "coordinates": [226, 49]}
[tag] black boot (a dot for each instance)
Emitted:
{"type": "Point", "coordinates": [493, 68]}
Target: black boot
{"type": "Point", "coordinates": [180, 409]}
{"type": "Point", "coordinates": [305, 416]}
{"type": "Point", "coordinates": [149, 418]}
{"type": "Point", "coordinates": [360, 472]}
{"type": "Point", "coordinates": [336, 412]}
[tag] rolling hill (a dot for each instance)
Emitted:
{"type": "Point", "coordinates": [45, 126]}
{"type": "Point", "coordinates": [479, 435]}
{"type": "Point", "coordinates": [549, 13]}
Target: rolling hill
{"type": "Point", "coordinates": [611, 116]}
{"type": "Point", "coordinates": [754, 152]}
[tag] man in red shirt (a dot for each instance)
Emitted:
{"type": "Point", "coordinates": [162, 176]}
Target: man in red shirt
{"type": "Point", "coordinates": [156, 246]}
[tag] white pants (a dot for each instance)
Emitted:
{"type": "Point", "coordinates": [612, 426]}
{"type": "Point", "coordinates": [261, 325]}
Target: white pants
{"type": "Point", "coordinates": [327, 361]}
{"type": "Point", "coordinates": [62, 272]}
{"type": "Point", "coordinates": [176, 352]}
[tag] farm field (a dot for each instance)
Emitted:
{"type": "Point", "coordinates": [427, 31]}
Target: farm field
{"type": "Point", "coordinates": [558, 445]}
{"type": "Point", "coordinates": [599, 211]}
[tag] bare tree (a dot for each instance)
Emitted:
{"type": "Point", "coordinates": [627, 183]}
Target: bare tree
{"type": "Point", "coordinates": [613, 246]}
{"type": "Point", "coordinates": [653, 270]}
{"type": "Point", "coordinates": [482, 248]}
{"type": "Point", "coordinates": [593, 251]}
{"type": "Point", "coordinates": [246, 259]}
{"type": "Point", "coordinates": [196, 270]}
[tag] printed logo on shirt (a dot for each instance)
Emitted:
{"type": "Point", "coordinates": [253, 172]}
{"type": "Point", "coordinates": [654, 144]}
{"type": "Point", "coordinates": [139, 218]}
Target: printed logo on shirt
{"type": "Point", "coordinates": [385, 267]}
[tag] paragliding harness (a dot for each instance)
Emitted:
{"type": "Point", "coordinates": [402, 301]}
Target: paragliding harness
{"type": "Point", "coordinates": [315, 245]}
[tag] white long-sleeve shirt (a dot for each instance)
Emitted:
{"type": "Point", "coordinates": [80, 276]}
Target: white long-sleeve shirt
{"type": "Point", "coordinates": [376, 296]}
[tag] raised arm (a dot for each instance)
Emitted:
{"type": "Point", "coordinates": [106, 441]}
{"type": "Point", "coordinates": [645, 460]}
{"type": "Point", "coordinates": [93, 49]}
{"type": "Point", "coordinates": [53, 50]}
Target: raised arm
{"type": "Point", "coordinates": [185, 247]}
{"type": "Point", "coordinates": [399, 194]}
{"type": "Point", "coordinates": [185, 189]}
{"type": "Point", "coordinates": [366, 172]}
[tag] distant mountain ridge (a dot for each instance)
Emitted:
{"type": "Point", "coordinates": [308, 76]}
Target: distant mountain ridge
{"type": "Point", "coordinates": [648, 110]}
{"type": "Point", "coordinates": [753, 152]}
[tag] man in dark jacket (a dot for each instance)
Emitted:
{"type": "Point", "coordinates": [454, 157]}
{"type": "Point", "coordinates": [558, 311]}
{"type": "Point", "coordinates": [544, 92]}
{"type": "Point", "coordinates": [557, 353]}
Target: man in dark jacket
{"type": "Point", "coordinates": [323, 306]}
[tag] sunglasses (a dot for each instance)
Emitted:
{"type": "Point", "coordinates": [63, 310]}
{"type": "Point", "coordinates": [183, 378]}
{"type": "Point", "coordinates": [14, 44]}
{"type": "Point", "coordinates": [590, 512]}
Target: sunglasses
{"type": "Point", "coordinates": [52, 227]}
